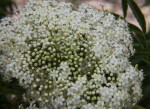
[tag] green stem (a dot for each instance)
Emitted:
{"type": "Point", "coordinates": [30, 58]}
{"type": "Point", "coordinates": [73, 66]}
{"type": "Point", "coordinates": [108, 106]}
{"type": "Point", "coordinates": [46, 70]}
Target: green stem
{"type": "Point", "coordinates": [146, 61]}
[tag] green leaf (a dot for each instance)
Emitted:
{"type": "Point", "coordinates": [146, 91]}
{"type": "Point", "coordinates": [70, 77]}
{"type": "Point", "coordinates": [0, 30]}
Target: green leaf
{"type": "Point", "coordinates": [124, 7]}
{"type": "Point", "coordinates": [142, 52]}
{"type": "Point", "coordinates": [139, 107]}
{"type": "Point", "coordinates": [138, 14]}
{"type": "Point", "coordinates": [140, 34]}
{"type": "Point", "coordinates": [135, 29]}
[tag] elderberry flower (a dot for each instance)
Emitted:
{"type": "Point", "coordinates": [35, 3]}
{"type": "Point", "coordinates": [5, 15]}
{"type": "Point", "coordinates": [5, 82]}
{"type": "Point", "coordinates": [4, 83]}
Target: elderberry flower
{"type": "Point", "coordinates": [68, 58]}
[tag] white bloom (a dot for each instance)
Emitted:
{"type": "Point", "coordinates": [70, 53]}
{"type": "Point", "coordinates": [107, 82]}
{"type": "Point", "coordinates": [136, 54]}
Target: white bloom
{"type": "Point", "coordinates": [70, 58]}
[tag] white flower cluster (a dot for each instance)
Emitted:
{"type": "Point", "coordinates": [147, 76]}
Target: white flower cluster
{"type": "Point", "coordinates": [70, 59]}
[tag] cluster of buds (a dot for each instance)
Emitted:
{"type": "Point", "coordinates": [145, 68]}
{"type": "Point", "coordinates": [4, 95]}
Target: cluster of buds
{"type": "Point", "coordinates": [68, 58]}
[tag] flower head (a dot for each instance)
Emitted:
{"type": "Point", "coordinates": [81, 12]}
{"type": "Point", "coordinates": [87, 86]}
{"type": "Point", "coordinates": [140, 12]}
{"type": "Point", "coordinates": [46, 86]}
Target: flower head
{"type": "Point", "coordinates": [70, 58]}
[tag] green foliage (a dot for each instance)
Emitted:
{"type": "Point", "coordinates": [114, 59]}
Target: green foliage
{"type": "Point", "coordinates": [124, 7]}
{"type": "Point", "coordinates": [138, 14]}
{"type": "Point", "coordinates": [6, 7]}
